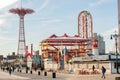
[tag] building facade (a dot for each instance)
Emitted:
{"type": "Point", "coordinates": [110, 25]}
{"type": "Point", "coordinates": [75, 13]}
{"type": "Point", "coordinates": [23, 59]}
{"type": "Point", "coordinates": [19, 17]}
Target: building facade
{"type": "Point", "coordinates": [101, 44]}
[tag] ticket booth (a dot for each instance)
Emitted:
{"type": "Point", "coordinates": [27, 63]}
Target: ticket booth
{"type": "Point", "coordinates": [115, 63]}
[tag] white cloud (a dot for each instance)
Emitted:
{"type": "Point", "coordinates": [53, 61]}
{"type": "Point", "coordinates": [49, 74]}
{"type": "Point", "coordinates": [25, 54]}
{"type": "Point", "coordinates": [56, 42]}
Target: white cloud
{"type": "Point", "coordinates": [3, 17]}
{"type": "Point", "coordinates": [3, 14]}
{"type": "Point", "coordinates": [99, 2]}
{"type": "Point", "coordinates": [2, 21]}
{"type": "Point", "coordinates": [52, 20]}
{"type": "Point", "coordinates": [3, 39]}
{"type": "Point", "coordinates": [47, 20]}
{"type": "Point", "coordinates": [107, 35]}
{"type": "Point", "coordinates": [6, 3]}
{"type": "Point", "coordinates": [43, 5]}
{"type": "Point", "coordinates": [110, 31]}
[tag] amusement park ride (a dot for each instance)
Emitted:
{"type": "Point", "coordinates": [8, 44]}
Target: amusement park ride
{"type": "Point", "coordinates": [71, 46]}
{"type": "Point", "coordinates": [64, 46]}
{"type": "Point", "coordinates": [22, 49]}
{"type": "Point", "coordinates": [21, 41]}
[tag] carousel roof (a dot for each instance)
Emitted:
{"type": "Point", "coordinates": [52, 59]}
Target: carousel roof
{"type": "Point", "coordinates": [64, 39]}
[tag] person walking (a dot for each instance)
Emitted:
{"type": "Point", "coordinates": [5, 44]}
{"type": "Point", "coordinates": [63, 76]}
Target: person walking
{"type": "Point", "coordinates": [93, 68]}
{"type": "Point", "coordinates": [103, 72]}
{"type": "Point", "coordinates": [13, 68]}
{"type": "Point", "coordinates": [10, 70]}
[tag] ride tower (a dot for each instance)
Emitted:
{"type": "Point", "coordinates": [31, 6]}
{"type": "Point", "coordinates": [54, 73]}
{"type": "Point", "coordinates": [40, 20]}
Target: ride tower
{"type": "Point", "coordinates": [21, 12]}
{"type": "Point", "coordinates": [85, 29]}
{"type": "Point", "coordinates": [85, 25]}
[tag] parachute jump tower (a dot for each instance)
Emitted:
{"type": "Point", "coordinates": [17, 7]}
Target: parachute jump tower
{"type": "Point", "coordinates": [21, 12]}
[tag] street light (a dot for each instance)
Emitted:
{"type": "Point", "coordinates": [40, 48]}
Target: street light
{"type": "Point", "coordinates": [116, 36]}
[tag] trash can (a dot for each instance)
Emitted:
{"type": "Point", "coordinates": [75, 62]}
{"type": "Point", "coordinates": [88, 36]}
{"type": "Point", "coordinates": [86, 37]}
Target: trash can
{"type": "Point", "coordinates": [38, 72]}
{"type": "Point", "coordinates": [117, 78]}
{"type": "Point", "coordinates": [45, 73]}
{"type": "Point", "coordinates": [54, 75]}
{"type": "Point", "coordinates": [30, 72]}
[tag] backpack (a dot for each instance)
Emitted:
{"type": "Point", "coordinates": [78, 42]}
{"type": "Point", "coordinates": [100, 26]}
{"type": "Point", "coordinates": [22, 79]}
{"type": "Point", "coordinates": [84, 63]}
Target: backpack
{"type": "Point", "coordinates": [104, 69]}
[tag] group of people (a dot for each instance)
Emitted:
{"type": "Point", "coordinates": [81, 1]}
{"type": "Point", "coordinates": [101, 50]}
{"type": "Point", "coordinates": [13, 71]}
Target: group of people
{"type": "Point", "coordinates": [9, 69]}
{"type": "Point", "coordinates": [103, 70]}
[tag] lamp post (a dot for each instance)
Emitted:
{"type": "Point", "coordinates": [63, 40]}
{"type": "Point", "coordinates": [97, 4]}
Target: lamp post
{"type": "Point", "coordinates": [116, 45]}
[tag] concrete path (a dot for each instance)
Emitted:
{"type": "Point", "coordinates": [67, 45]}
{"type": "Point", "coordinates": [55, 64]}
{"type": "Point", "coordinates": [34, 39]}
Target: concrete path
{"type": "Point", "coordinates": [6, 76]}
{"type": "Point", "coordinates": [59, 76]}
{"type": "Point", "coordinates": [65, 76]}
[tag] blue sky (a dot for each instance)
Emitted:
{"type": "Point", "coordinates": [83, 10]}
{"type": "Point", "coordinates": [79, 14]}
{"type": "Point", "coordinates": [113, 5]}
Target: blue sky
{"type": "Point", "coordinates": [55, 17]}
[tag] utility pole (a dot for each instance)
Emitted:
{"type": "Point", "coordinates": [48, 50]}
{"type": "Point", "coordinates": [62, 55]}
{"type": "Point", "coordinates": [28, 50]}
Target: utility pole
{"type": "Point", "coordinates": [118, 26]}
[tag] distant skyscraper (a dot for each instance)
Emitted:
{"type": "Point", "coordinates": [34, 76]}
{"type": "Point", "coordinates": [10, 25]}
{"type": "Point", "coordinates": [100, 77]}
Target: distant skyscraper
{"type": "Point", "coordinates": [101, 44]}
